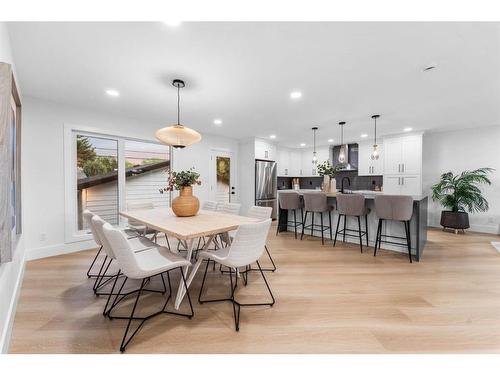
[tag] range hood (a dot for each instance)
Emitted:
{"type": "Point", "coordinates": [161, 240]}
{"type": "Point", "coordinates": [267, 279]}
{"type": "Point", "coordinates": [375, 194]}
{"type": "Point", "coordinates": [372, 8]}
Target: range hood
{"type": "Point", "coordinates": [351, 152]}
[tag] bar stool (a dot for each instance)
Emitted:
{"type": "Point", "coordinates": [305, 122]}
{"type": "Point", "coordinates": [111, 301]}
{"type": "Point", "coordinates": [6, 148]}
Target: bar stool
{"type": "Point", "coordinates": [316, 203]}
{"type": "Point", "coordinates": [290, 200]}
{"type": "Point", "coordinates": [396, 208]}
{"type": "Point", "coordinates": [352, 205]}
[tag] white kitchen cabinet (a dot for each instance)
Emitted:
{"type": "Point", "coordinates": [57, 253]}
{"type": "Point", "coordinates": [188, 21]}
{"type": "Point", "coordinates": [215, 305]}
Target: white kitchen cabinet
{"type": "Point", "coordinates": [367, 166]}
{"type": "Point", "coordinates": [403, 155]}
{"type": "Point", "coordinates": [295, 164]}
{"type": "Point", "coordinates": [283, 162]}
{"type": "Point", "coordinates": [265, 150]}
{"type": "Point", "coordinates": [405, 185]}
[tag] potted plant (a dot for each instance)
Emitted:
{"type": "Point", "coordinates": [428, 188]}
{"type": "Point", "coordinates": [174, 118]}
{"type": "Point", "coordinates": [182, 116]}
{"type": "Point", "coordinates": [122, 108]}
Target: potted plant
{"type": "Point", "coordinates": [186, 204]}
{"type": "Point", "coordinates": [328, 172]}
{"type": "Point", "coordinates": [460, 194]}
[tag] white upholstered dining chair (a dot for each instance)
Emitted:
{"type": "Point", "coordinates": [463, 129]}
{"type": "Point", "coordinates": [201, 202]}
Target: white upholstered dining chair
{"type": "Point", "coordinates": [142, 266]}
{"type": "Point", "coordinates": [246, 248]}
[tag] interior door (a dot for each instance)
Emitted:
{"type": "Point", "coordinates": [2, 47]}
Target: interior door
{"type": "Point", "coordinates": [222, 177]}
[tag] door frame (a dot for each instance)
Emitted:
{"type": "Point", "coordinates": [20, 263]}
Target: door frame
{"type": "Point", "coordinates": [214, 152]}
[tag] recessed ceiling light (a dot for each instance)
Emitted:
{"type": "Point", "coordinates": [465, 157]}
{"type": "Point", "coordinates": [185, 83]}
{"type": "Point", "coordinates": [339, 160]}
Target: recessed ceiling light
{"type": "Point", "coordinates": [330, 140]}
{"type": "Point", "coordinates": [408, 129]}
{"type": "Point", "coordinates": [172, 23]}
{"type": "Point", "coordinates": [364, 135]}
{"type": "Point", "coordinates": [302, 144]}
{"type": "Point", "coordinates": [272, 136]}
{"type": "Point", "coordinates": [295, 94]}
{"type": "Point", "coordinates": [112, 92]}
{"type": "Point", "coordinates": [218, 122]}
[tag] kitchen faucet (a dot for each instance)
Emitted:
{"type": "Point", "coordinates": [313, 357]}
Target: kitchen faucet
{"type": "Point", "coordinates": [342, 184]}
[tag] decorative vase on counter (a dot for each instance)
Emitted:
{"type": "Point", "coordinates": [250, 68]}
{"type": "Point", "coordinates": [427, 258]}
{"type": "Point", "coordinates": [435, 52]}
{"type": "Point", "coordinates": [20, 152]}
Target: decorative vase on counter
{"type": "Point", "coordinates": [186, 204]}
{"type": "Point", "coordinates": [333, 185]}
{"type": "Point", "coordinates": [326, 183]}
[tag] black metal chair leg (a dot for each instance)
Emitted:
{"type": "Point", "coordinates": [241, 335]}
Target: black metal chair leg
{"type": "Point", "coordinates": [322, 236]}
{"type": "Point", "coordinates": [337, 230]}
{"type": "Point", "coordinates": [270, 258]}
{"type": "Point", "coordinates": [312, 223]}
{"type": "Point", "coordinates": [104, 312]}
{"type": "Point", "coordinates": [303, 225]}
{"type": "Point", "coordinates": [366, 228]}
{"type": "Point", "coordinates": [359, 232]}
{"type": "Point", "coordinates": [92, 264]}
{"type": "Point", "coordinates": [203, 283]}
{"type": "Point", "coordinates": [125, 341]}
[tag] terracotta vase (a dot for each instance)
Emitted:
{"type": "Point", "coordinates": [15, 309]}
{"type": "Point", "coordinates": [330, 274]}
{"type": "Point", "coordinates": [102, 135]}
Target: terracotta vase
{"type": "Point", "coordinates": [186, 204]}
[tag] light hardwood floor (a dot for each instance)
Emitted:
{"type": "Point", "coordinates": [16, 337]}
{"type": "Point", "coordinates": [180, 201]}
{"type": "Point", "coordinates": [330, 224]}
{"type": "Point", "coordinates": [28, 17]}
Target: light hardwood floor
{"type": "Point", "coordinates": [329, 300]}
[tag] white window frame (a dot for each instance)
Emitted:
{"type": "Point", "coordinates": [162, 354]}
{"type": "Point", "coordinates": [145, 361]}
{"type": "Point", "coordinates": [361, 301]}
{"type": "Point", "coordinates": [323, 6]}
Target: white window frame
{"type": "Point", "coordinates": [71, 232]}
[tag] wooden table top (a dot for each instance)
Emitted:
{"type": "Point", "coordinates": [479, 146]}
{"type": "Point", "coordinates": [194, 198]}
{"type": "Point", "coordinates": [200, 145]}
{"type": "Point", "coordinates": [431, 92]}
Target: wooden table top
{"type": "Point", "coordinates": [205, 223]}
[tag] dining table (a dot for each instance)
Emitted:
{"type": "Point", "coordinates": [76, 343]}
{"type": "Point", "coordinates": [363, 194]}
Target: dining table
{"type": "Point", "coordinates": [205, 224]}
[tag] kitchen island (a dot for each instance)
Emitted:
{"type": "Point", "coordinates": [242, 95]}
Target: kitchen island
{"type": "Point", "coordinates": [418, 222]}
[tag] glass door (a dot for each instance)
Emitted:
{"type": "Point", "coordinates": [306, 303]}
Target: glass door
{"type": "Point", "coordinates": [222, 177]}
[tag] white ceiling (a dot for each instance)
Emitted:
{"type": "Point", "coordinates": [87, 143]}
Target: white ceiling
{"type": "Point", "coordinates": [243, 73]}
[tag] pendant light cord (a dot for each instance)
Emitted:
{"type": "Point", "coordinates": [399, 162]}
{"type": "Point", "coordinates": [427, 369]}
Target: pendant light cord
{"type": "Point", "coordinates": [375, 131]}
{"type": "Point", "coordinates": [178, 105]}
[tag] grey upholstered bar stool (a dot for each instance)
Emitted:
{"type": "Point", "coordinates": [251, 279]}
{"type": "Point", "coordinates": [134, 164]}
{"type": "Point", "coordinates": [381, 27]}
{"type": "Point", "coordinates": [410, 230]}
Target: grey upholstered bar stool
{"type": "Point", "coordinates": [352, 205]}
{"type": "Point", "coordinates": [316, 203]}
{"type": "Point", "coordinates": [397, 208]}
{"type": "Point", "coordinates": [290, 200]}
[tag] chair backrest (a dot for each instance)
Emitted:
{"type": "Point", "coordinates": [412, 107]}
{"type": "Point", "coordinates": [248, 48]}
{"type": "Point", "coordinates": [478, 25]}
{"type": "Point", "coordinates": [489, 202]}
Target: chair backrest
{"type": "Point", "coordinates": [121, 248]}
{"type": "Point", "coordinates": [209, 206]}
{"type": "Point", "coordinates": [289, 200]}
{"type": "Point", "coordinates": [138, 206]}
{"type": "Point", "coordinates": [248, 244]}
{"type": "Point", "coordinates": [98, 224]}
{"type": "Point", "coordinates": [231, 208]}
{"type": "Point", "coordinates": [315, 202]}
{"type": "Point", "coordinates": [351, 204]}
{"type": "Point", "coordinates": [394, 207]}
{"type": "Point", "coordinates": [87, 216]}
{"type": "Point", "coordinates": [259, 212]}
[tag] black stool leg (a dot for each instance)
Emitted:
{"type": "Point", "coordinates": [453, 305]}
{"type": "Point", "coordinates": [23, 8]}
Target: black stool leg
{"type": "Point", "coordinates": [366, 227]}
{"type": "Point", "coordinates": [345, 218]}
{"type": "Point", "coordinates": [278, 226]}
{"type": "Point", "coordinates": [312, 223]}
{"type": "Point", "coordinates": [408, 239]}
{"type": "Point", "coordinates": [379, 230]}
{"type": "Point", "coordinates": [295, 222]}
{"type": "Point", "coordinates": [303, 225]}
{"type": "Point", "coordinates": [322, 237]}
{"type": "Point", "coordinates": [330, 220]}
{"type": "Point", "coordinates": [337, 230]}
{"type": "Point", "coordinates": [359, 232]}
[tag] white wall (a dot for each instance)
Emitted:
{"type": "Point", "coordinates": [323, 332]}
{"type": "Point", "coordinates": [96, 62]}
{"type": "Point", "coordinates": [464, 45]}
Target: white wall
{"type": "Point", "coordinates": [464, 150]}
{"type": "Point", "coordinates": [10, 273]}
{"type": "Point", "coordinates": [44, 173]}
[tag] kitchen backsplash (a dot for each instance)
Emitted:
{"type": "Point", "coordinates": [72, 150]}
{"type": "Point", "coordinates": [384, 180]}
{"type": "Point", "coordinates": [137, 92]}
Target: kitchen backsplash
{"type": "Point", "coordinates": [357, 182]}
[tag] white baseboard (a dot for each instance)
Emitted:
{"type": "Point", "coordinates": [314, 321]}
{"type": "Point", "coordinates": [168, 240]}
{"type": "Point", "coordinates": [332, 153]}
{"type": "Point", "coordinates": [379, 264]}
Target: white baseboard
{"type": "Point", "coordinates": [59, 249]}
{"type": "Point", "coordinates": [9, 321]}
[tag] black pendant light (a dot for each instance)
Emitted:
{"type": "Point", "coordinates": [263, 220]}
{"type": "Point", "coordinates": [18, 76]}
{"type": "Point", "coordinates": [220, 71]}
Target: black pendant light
{"type": "Point", "coordinates": [314, 158]}
{"type": "Point", "coordinates": [375, 154]}
{"type": "Point", "coordinates": [178, 136]}
{"type": "Point", "coordinates": [343, 148]}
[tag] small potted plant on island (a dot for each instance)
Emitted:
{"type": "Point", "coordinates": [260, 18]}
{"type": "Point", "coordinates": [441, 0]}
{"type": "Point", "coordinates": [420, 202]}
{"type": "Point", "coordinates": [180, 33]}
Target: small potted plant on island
{"type": "Point", "coordinates": [328, 172]}
{"type": "Point", "coordinates": [186, 204]}
{"type": "Point", "coordinates": [460, 194]}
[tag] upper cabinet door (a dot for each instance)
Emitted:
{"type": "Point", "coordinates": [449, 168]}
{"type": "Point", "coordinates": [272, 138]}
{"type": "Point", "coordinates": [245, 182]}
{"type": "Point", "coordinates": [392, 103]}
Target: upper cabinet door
{"type": "Point", "coordinates": [295, 164]}
{"type": "Point", "coordinates": [377, 167]}
{"type": "Point", "coordinates": [411, 158]}
{"type": "Point", "coordinates": [392, 156]}
{"type": "Point", "coordinates": [265, 150]}
{"type": "Point", "coordinates": [283, 162]}
{"type": "Point", "coordinates": [364, 159]}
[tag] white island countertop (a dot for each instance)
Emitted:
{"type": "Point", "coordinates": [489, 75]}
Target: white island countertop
{"type": "Point", "coordinates": [368, 194]}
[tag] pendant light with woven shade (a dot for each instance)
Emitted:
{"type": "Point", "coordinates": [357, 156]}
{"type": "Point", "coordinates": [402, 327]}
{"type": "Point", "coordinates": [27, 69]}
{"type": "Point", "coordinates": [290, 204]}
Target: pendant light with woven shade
{"type": "Point", "coordinates": [178, 136]}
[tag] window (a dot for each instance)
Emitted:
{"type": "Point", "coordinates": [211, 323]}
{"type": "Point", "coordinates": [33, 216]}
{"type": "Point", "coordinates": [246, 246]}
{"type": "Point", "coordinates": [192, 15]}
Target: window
{"type": "Point", "coordinates": [110, 173]}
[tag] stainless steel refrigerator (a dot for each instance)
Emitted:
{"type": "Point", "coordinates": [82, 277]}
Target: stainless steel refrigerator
{"type": "Point", "coordinates": [266, 185]}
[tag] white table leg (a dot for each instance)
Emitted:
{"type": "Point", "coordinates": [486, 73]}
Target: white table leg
{"type": "Point", "coordinates": [189, 278]}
